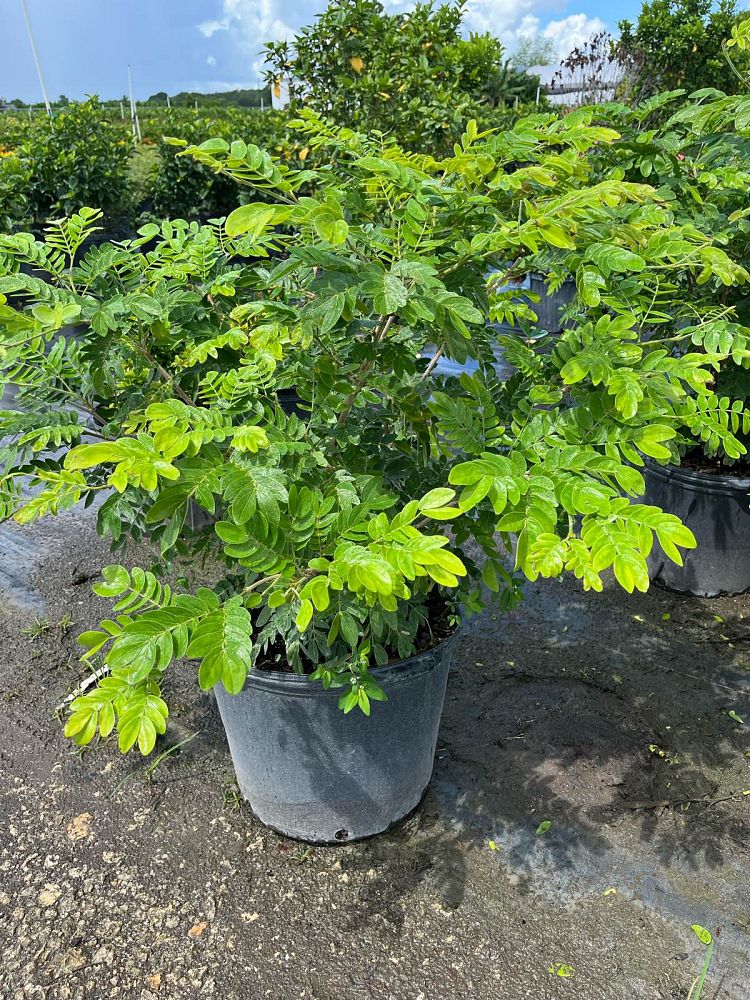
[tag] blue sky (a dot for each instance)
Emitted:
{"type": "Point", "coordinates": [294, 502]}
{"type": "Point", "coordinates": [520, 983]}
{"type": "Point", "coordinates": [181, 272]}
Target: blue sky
{"type": "Point", "coordinates": [85, 45]}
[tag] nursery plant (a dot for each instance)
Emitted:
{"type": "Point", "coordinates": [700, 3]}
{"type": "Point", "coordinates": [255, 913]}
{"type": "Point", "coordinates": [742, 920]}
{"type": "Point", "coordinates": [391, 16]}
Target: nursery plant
{"type": "Point", "coordinates": [185, 189]}
{"type": "Point", "coordinates": [409, 74]}
{"type": "Point", "coordinates": [77, 157]}
{"type": "Point", "coordinates": [695, 151]}
{"type": "Point", "coordinates": [358, 528]}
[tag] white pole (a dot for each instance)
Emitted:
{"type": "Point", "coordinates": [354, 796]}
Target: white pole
{"type": "Point", "coordinates": [169, 103]}
{"type": "Point", "coordinates": [133, 109]}
{"type": "Point", "coordinates": [538, 91]}
{"type": "Point", "coordinates": [36, 57]}
{"type": "Point", "coordinates": [261, 103]}
{"type": "Point", "coordinates": [122, 110]}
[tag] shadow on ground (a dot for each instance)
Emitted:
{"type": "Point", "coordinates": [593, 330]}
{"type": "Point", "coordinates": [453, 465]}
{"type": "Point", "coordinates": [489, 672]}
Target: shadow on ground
{"type": "Point", "coordinates": [601, 719]}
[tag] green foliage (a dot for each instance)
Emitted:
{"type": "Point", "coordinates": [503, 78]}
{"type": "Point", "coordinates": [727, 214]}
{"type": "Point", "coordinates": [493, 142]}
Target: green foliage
{"type": "Point", "coordinates": [680, 43]}
{"type": "Point", "coordinates": [14, 181]}
{"type": "Point", "coordinates": [410, 75]}
{"type": "Point", "coordinates": [696, 155]}
{"type": "Point", "coordinates": [77, 157]}
{"type": "Point", "coordinates": [331, 521]}
{"type": "Point", "coordinates": [185, 189]}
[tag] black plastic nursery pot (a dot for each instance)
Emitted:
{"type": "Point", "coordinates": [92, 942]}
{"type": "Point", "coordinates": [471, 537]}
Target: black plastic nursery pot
{"type": "Point", "coordinates": [313, 773]}
{"type": "Point", "coordinates": [716, 508]}
{"type": "Point", "coordinates": [550, 306]}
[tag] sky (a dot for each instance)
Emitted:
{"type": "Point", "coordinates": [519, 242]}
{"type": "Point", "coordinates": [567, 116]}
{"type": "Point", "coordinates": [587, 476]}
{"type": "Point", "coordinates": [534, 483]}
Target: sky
{"type": "Point", "coordinates": [85, 46]}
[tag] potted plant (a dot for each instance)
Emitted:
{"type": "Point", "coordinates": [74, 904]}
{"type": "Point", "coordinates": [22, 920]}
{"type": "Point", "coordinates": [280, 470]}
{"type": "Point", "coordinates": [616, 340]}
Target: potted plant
{"type": "Point", "coordinates": [698, 159]}
{"type": "Point", "coordinates": [349, 540]}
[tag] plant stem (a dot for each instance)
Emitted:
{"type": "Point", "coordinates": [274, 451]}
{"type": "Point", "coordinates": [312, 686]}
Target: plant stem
{"type": "Point", "coordinates": [179, 391]}
{"type": "Point", "coordinates": [430, 368]}
{"type": "Point", "coordinates": [364, 368]}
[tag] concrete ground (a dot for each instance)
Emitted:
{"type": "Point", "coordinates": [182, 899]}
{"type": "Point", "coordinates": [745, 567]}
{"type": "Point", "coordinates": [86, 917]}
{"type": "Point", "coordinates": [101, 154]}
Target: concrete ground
{"type": "Point", "coordinates": [605, 715]}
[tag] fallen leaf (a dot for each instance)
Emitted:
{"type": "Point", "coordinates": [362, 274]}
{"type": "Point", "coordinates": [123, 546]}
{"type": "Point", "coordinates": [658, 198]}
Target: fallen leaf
{"type": "Point", "coordinates": [80, 826]}
{"type": "Point", "coordinates": [493, 846]}
{"type": "Point", "coordinates": [544, 827]}
{"type": "Point", "coordinates": [702, 934]}
{"type": "Point", "coordinates": [617, 679]}
{"type": "Point", "coordinates": [197, 929]}
{"type": "Point", "coordinates": [154, 981]}
{"type": "Point", "coordinates": [610, 892]}
{"type": "Point", "coordinates": [561, 969]}
{"type": "Point", "coordinates": [736, 718]}
{"type": "Point", "coordinates": [666, 616]}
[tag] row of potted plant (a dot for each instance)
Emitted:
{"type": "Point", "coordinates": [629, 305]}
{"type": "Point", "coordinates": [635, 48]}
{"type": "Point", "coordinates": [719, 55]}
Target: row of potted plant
{"type": "Point", "coordinates": [351, 536]}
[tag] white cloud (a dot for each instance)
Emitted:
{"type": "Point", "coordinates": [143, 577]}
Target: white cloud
{"type": "Point", "coordinates": [209, 28]}
{"type": "Point", "coordinates": [210, 61]}
{"type": "Point", "coordinates": [499, 17]}
{"type": "Point", "coordinates": [252, 23]}
{"type": "Point", "coordinates": [514, 21]}
{"type": "Point", "coordinates": [571, 32]}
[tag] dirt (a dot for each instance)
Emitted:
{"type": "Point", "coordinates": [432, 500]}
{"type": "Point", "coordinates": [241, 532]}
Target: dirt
{"type": "Point", "coordinates": [604, 715]}
{"type": "Point", "coordinates": [716, 465]}
{"type": "Point", "coordinates": [438, 626]}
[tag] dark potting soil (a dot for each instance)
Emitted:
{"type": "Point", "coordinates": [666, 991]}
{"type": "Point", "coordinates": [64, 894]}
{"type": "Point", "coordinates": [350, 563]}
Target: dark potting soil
{"type": "Point", "coordinates": [698, 461]}
{"type": "Point", "coordinates": [437, 628]}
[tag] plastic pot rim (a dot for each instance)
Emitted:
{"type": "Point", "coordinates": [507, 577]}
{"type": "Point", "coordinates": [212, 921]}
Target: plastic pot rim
{"type": "Point", "coordinates": [699, 482]}
{"type": "Point", "coordinates": [300, 685]}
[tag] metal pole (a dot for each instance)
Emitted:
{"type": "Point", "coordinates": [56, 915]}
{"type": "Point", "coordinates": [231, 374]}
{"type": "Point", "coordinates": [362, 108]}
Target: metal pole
{"type": "Point", "coordinates": [36, 57]}
{"type": "Point", "coordinates": [122, 110]}
{"type": "Point", "coordinates": [169, 103]}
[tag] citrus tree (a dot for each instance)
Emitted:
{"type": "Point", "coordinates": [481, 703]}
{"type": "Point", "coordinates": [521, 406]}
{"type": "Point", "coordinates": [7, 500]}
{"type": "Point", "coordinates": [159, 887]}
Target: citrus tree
{"type": "Point", "coordinates": [411, 75]}
{"type": "Point", "coordinates": [79, 156]}
{"type": "Point", "coordinates": [679, 43]}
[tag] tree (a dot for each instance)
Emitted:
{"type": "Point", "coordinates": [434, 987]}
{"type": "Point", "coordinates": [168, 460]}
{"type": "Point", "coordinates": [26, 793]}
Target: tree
{"type": "Point", "coordinates": [533, 52]}
{"type": "Point", "coordinates": [410, 74]}
{"type": "Point", "coordinates": [680, 43]}
{"type": "Point", "coordinates": [329, 522]}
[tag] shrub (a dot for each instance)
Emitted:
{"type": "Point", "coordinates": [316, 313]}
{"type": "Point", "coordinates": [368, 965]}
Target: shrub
{"type": "Point", "coordinates": [410, 75]}
{"type": "Point", "coordinates": [680, 43]}
{"type": "Point", "coordinates": [186, 189]}
{"type": "Point", "coordinates": [327, 521]}
{"type": "Point", "coordinates": [698, 159]}
{"type": "Point", "coordinates": [78, 157]}
{"type": "Point", "coordinates": [14, 181]}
